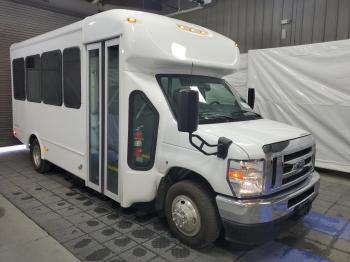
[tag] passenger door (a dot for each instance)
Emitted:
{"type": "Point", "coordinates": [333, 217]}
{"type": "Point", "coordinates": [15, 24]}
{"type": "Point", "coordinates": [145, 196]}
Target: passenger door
{"type": "Point", "coordinates": [103, 117]}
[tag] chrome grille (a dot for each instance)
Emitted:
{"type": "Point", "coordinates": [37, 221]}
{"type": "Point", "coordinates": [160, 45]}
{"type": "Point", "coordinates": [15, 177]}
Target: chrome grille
{"type": "Point", "coordinates": [297, 155]}
{"type": "Point", "coordinates": [296, 165]}
{"type": "Point", "coordinates": [304, 171]}
{"type": "Point", "coordinates": [288, 163]}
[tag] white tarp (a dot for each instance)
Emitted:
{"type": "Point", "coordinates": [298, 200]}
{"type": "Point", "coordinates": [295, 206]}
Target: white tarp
{"type": "Point", "coordinates": [308, 86]}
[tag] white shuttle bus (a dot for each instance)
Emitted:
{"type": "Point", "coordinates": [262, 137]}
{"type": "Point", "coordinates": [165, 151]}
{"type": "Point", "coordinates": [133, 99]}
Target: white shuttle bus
{"type": "Point", "coordinates": [135, 104]}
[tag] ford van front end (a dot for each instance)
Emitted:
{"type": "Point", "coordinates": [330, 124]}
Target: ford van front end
{"type": "Point", "coordinates": [263, 172]}
{"type": "Point", "coordinates": [266, 191]}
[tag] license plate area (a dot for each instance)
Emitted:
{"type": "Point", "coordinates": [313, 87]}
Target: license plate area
{"type": "Point", "coordinates": [302, 209]}
{"type": "Point", "coordinates": [299, 198]}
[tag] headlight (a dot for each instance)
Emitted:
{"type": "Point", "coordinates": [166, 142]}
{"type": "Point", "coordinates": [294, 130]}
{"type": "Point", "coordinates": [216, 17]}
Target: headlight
{"type": "Point", "coordinates": [246, 177]}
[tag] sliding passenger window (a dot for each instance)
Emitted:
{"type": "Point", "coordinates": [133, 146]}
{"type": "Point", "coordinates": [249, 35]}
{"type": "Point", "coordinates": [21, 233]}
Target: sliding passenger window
{"type": "Point", "coordinates": [71, 77]}
{"type": "Point", "coordinates": [51, 78]}
{"type": "Point", "coordinates": [18, 79]}
{"type": "Point", "coordinates": [143, 127]}
{"type": "Point", "coordinates": [33, 78]}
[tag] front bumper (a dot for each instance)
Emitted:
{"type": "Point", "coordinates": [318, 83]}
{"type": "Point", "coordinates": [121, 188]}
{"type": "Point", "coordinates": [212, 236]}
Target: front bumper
{"type": "Point", "coordinates": [260, 214]}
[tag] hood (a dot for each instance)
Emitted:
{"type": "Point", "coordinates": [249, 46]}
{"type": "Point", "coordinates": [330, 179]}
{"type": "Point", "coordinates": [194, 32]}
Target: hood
{"type": "Point", "coordinates": [252, 135]}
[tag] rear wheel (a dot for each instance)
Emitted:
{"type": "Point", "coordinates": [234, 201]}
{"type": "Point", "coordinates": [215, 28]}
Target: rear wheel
{"type": "Point", "coordinates": [191, 213]}
{"type": "Point", "coordinates": [40, 165]}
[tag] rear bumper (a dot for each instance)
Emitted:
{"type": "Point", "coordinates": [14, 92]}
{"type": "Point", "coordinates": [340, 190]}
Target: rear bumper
{"type": "Point", "coordinates": [259, 217]}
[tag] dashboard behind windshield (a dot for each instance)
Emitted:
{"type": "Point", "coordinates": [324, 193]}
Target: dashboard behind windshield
{"type": "Point", "coordinates": [217, 103]}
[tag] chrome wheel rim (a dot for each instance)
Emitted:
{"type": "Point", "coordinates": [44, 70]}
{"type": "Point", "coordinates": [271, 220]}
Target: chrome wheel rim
{"type": "Point", "coordinates": [36, 155]}
{"type": "Point", "coordinates": [185, 215]}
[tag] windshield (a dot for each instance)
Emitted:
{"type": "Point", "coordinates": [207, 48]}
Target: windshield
{"type": "Point", "coordinates": [217, 103]}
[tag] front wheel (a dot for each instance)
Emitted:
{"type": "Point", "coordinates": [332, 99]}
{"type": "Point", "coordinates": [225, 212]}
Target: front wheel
{"type": "Point", "coordinates": [40, 165]}
{"type": "Point", "coordinates": [191, 213]}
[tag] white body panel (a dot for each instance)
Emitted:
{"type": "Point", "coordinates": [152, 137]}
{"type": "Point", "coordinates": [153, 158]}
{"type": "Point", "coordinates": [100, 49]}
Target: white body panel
{"type": "Point", "coordinates": [58, 127]}
{"type": "Point", "coordinates": [152, 45]}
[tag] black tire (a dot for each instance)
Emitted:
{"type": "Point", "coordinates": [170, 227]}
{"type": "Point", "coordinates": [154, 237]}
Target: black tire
{"type": "Point", "coordinates": [210, 224]}
{"type": "Point", "coordinates": [40, 165]}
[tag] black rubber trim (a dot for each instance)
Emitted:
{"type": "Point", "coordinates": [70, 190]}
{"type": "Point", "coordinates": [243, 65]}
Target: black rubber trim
{"type": "Point", "coordinates": [254, 234]}
{"type": "Point", "coordinates": [102, 120]}
{"type": "Point", "coordinates": [274, 169]}
{"type": "Point", "coordinates": [299, 198]}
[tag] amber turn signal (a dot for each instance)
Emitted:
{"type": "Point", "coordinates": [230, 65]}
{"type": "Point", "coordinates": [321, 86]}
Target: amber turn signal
{"type": "Point", "coordinates": [236, 174]}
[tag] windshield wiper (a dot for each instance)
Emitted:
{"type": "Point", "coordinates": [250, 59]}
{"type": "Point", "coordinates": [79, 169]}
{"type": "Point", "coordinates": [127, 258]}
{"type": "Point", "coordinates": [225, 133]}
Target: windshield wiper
{"type": "Point", "coordinates": [235, 116]}
{"type": "Point", "coordinates": [252, 112]}
{"type": "Point", "coordinates": [247, 111]}
{"type": "Point", "coordinates": [212, 116]}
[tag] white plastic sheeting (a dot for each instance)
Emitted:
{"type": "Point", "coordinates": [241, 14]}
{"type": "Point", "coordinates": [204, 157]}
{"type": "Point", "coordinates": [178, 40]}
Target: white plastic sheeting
{"type": "Point", "coordinates": [308, 86]}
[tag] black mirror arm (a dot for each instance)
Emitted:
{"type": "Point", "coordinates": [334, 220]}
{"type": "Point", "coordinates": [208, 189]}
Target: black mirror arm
{"type": "Point", "coordinates": [251, 97]}
{"type": "Point", "coordinates": [203, 142]}
{"type": "Point", "coordinates": [222, 146]}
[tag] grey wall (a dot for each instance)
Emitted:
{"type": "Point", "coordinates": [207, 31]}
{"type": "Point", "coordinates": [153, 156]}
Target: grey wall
{"type": "Point", "coordinates": [170, 6]}
{"type": "Point", "coordinates": [257, 23]}
{"type": "Point", "coordinates": [17, 23]}
{"type": "Point", "coordinates": [83, 8]}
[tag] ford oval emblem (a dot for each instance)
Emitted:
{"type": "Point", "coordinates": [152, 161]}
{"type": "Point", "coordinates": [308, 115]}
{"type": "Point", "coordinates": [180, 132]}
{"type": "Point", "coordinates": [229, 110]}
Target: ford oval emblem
{"type": "Point", "coordinates": [299, 165]}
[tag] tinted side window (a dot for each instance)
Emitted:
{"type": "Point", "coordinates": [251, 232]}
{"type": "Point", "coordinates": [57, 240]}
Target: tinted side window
{"type": "Point", "coordinates": [143, 127]}
{"type": "Point", "coordinates": [33, 78]}
{"type": "Point", "coordinates": [71, 77]}
{"type": "Point", "coordinates": [51, 78]}
{"type": "Point", "coordinates": [18, 79]}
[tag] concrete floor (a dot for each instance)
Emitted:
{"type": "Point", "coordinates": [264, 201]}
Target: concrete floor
{"type": "Point", "coordinates": [22, 240]}
{"type": "Point", "coordinates": [94, 228]}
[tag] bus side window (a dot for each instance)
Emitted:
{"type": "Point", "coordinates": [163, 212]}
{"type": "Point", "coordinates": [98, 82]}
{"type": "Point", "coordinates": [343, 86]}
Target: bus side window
{"type": "Point", "coordinates": [51, 77]}
{"type": "Point", "coordinates": [143, 128]}
{"type": "Point", "coordinates": [33, 75]}
{"type": "Point", "coordinates": [71, 77]}
{"type": "Point", "coordinates": [18, 79]}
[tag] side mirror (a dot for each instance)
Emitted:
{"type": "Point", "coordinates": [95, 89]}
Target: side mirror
{"type": "Point", "coordinates": [251, 97]}
{"type": "Point", "coordinates": [187, 121]}
{"type": "Point", "coordinates": [187, 117]}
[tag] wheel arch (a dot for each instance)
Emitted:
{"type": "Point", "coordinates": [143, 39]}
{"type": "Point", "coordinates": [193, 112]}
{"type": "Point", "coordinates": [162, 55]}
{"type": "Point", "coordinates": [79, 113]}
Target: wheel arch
{"type": "Point", "coordinates": [31, 138]}
{"type": "Point", "coordinates": [174, 175]}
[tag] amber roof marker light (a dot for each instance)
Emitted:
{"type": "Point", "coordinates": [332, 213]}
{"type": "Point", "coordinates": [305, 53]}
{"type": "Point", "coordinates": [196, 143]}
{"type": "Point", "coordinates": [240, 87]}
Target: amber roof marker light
{"type": "Point", "coordinates": [191, 29]}
{"type": "Point", "coordinates": [131, 20]}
